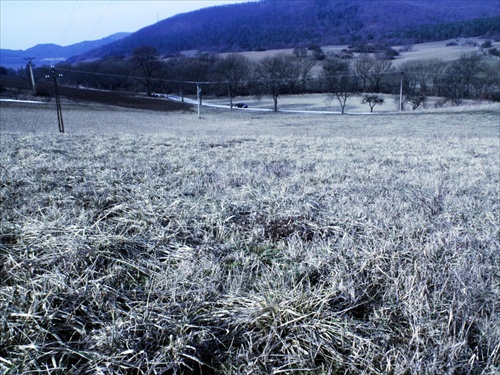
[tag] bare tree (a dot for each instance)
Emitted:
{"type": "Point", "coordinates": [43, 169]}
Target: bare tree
{"type": "Point", "coordinates": [468, 67]}
{"type": "Point", "coordinates": [304, 64]}
{"type": "Point", "coordinates": [461, 76]}
{"type": "Point", "coordinates": [278, 74]}
{"type": "Point", "coordinates": [175, 72]}
{"type": "Point", "coordinates": [234, 69]}
{"type": "Point", "coordinates": [372, 72]}
{"type": "Point", "coordinates": [340, 79]}
{"type": "Point", "coordinates": [416, 100]}
{"type": "Point", "coordinates": [373, 100]}
{"type": "Point", "coordinates": [146, 60]}
{"type": "Point", "coordinates": [421, 77]}
{"type": "Point", "coordinates": [487, 82]}
{"type": "Point", "coordinates": [415, 77]}
{"type": "Point", "coordinates": [200, 68]}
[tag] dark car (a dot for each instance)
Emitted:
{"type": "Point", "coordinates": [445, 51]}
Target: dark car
{"type": "Point", "coordinates": [241, 105]}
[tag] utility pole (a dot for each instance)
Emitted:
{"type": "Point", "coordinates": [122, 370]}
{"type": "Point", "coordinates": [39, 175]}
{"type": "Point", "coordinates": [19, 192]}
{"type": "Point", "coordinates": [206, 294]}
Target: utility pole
{"type": "Point", "coordinates": [58, 99]}
{"type": "Point", "coordinates": [401, 94]}
{"type": "Point", "coordinates": [198, 95]}
{"type": "Point", "coordinates": [30, 72]}
{"type": "Point", "coordinates": [230, 94]}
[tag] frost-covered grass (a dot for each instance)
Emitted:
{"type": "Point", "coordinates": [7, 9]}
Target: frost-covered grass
{"type": "Point", "coordinates": [253, 252]}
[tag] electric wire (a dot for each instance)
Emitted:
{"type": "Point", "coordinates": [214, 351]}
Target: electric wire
{"type": "Point", "coordinates": [99, 20]}
{"type": "Point", "coordinates": [248, 81]}
{"type": "Point", "coordinates": [71, 20]}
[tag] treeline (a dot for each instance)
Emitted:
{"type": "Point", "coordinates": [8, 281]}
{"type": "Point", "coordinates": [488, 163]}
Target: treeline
{"type": "Point", "coordinates": [305, 71]}
{"type": "Point", "coordinates": [489, 27]}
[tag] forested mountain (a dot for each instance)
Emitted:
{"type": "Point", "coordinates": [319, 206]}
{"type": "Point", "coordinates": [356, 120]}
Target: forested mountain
{"type": "Point", "coordinates": [270, 24]}
{"type": "Point", "coordinates": [47, 54]}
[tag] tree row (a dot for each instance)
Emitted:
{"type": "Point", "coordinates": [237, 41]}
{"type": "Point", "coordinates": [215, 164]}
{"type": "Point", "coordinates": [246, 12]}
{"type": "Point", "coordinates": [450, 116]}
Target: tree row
{"type": "Point", "coordinates": [340, 75]}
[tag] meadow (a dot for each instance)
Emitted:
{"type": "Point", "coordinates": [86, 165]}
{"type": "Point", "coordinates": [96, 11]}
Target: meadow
{"type": "Point", "coordinates": [145, 242]}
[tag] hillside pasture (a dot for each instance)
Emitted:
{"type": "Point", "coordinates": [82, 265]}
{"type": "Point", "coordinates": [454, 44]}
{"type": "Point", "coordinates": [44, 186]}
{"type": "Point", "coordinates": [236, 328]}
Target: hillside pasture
{"type": "Point", "coordinates": [144, 242]}
{"type": "Point", "coordinates": [428, 50]}
{"type": "Point", "coordinates": [442, 50]}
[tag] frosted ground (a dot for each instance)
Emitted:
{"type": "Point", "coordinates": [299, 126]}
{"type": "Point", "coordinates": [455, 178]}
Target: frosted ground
{"type": "Point", "coordinates": [249, 242]}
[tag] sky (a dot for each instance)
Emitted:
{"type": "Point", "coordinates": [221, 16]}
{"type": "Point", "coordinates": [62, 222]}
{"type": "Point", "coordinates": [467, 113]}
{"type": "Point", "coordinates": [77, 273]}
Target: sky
{"type": "Point", "coordinates": [24, 24]}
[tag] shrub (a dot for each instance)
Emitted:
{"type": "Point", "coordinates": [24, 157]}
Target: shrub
{"type": "Point", "coordinates": [494, 52]}
{"type": "Point", "coordinates": [486, 44]}
{"type": "Point", "coordinates": [406, 48]}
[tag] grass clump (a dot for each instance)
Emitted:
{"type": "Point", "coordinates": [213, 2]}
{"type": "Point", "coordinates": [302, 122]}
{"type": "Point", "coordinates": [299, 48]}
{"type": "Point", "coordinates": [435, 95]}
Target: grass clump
{"type": "Point", "coordinates": [168, 255]}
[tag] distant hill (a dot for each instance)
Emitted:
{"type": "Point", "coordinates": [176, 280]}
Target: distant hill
{"type": "Point", "coordinates": [49, 54]}
{"type": "Point", "coordinates": [271, 24]}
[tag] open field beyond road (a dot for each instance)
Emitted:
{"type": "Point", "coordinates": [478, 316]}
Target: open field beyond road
{"type": "Point", "coordinates": [87, 118]}
{"type": "Point", "coordinates": [144, 242]}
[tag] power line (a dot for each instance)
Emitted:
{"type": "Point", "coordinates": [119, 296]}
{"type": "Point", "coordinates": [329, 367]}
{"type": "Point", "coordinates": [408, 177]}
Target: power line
{"type": "Point", "coordinates": [394, 73]}
{"type": "Point", "coordinates": [71, 20]}
{"type": "Point", "coordinates": [99, 20]}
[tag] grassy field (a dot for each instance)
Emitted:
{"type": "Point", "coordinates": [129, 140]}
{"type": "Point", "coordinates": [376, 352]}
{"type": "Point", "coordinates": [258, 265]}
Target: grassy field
{"type": "Point", "coordinates": [143, 242]}
{"type": "Point", "coordinates": [440, 49]}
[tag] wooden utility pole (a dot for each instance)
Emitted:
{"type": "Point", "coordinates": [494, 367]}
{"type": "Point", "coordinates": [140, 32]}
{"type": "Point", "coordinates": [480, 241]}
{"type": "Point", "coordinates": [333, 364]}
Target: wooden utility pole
{"type": "Point", "coordinates": [198, 96]}
{"type": "Point", "coordinates": [29, 68]}
{"type": "Point", "coordinates": [401, 94]}
{"type": "Point", "coordinates": [58, 99]}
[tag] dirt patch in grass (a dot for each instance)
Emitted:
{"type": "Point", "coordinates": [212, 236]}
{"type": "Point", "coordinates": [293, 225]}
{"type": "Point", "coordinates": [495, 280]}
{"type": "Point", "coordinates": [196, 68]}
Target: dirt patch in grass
{"type": "Point", "coordinates": [122, 99]}
{"type": "Point", "coordinates": [113, 98]}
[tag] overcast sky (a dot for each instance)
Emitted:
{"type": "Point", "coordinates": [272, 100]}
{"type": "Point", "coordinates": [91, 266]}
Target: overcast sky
{"type": "Point", "coordinates": [24, 24]}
